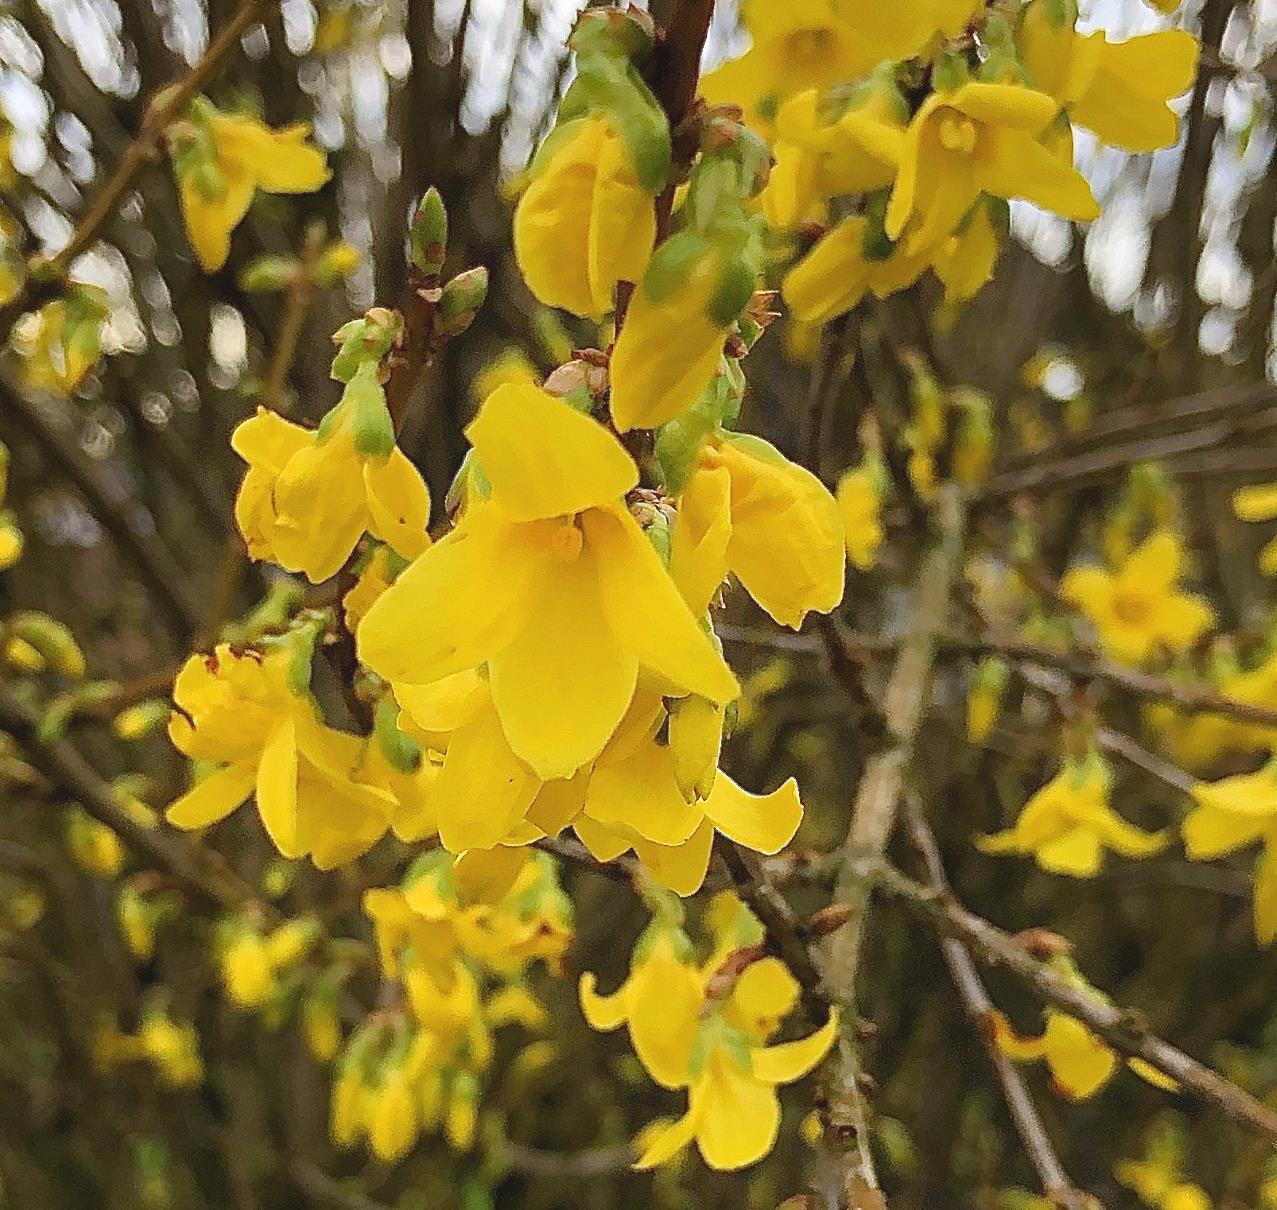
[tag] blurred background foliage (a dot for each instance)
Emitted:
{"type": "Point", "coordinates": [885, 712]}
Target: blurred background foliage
{"type": "Point", "coordinates": [1148, 337]}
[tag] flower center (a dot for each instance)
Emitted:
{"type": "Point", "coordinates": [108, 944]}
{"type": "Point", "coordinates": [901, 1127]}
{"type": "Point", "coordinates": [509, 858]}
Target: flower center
{"type": "Point", "coordinates": [1132, 608]}
{"type": "Point", "coordinates": [805, 48]}
{"type": "Point", "coordinates": [957, 133]}
{"type": "Point", "coordinates": [564, 542]}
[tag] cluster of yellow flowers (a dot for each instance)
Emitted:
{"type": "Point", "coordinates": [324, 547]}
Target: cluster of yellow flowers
{"type": "Point", "coordinates": [903, 132]}
{"type": "Point", "coordinates": [549, 660]}
{"type": "Point", "coordinates": [704, 1026]}
{"type": "Point", "coordinates": [169, 1045]}
{"type": "Point", "coordinates": [460, 935]}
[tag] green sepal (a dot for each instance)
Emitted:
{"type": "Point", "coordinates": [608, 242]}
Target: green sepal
{"type": "Point", "coordinates": [679, 442]}
{"type": "Point", "coordinates": [672, 264]}
{"type": "Point", "coordinates": [369, 416]}
{"type": "Point", "coordinates": [401, 751]}
{"type": "Point", "coordinates": [732, 291]}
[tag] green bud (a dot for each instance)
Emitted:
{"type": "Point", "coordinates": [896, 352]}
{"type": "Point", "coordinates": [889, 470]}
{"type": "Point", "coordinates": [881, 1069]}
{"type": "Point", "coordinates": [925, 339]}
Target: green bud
{"type": "Point", "coordinates": [55, 643]}
{"type": "Point", "coordinates": [369, 416]}
{"type": "Point", "coordinates": [269, 274]}
{"type": "Point", "coordinates": [732, 291]}
{"type": "Point", "coordinates": [462, 297]}
{"type": "Point", "coordinates": [429, 233]}
{"type": "Point", "coordinates": [629, 33]}
{"type": "Point", "coordinates": [672, 264]}
{"type": "Point", "coordinates": [337, 262]}
{"type": "Point", "coordinates": [366, 339]}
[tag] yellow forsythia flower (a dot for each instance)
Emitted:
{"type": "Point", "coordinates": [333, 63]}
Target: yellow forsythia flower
{"type": "Point", "coordinates": [716, 1049]}
{"type": "Point", "coordinates": [95, 847]}
{"type": "Point", "coordinates": [308, 498]}
{"type": "Point", "coordinates": [582, 591]}
{"type": "Point", "coordinates": [668, 350]}
{"type": "Point", "coordinates": [237, 709]}
{"type": "Point", "coordinates": [785, 532]}
{"type": "Point", "coordinates": [585, 222]}
{"type": "Point", "coordinates": [1068, 823]}
{"type": "Point", "coordinates": [1080, 1062]}
{"type": "Point", "coordinates": [979, 138]}
{"type": "Point", "coordinates": [860, 502]}
{"type": "Point", "coordinates": [221, 159]}
{"type": "Point", "coordinates": [813, 44]}
{"type": "Point", "coordinates": [173, 1049]}
{"type": "Point", "coordinates": [246, 971]}
{"type": "Point", "coordinates": [1259, 503]}
{"type": "Point", "coordinates": [1119, 90]}
{"type": "Point", "coordinates": [61, 342]}
{"type": "Point", "coordinates": [1232, 814]}
{"type": "Point", "coordinates": [1137, 608]}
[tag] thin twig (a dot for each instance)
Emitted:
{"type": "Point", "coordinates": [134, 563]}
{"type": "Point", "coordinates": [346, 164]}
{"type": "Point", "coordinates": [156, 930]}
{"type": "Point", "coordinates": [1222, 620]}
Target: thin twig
{"type": "Point", "coordinates": [203, 874]}
{"type": "Point", "coordinates": [975, 1001]}
{"type": "Point", "coordinates": [166, 108]}
{"type": "Point", "coordinates": [1124, 1029]}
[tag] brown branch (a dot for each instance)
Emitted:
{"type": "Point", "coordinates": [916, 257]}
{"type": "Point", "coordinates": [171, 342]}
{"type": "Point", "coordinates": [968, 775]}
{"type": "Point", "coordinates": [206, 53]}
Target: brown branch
{"type": "Point", "coordinates": [977, 1005]}
{"type": "Point", "coordinates": [585, 1165]}
{"type": "Point", "coordinates": [873, 817]}
{"type": "Point", "coordinates": [204, 875]}
{"type": "Point", "coordinates": [1124, 1029]}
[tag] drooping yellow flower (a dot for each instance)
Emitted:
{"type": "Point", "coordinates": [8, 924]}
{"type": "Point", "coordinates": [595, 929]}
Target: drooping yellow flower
{"type": "Point", "coordinates": [1080, 1062]}
{"type": "Point", "coordinates": [1119, 90]}
{"type": "Point", "coordinates": [1259, 503]}
{"type": "Point", "coordinates": [668, 350]}
{"type": "Point", "coordinates": [843, 266]}
{"type": "Point", "coordinates": [1157, 1179]}
{"type": "Point", "coordinates": [1137, 608]}
{"type": "Point", "coordinates": [237, 709]}
{"type": "Point", "coordinates": [307, 499]}
{"type": "Point", "coordinates": [714, 1048]}
{"type": "Point", "coordinates": [1232, 814]}
{"type": "Point", "coordinates": [860, 502]}
{"type": "Point", "coordinates": [817, 159]}
{"type": "Point", "coordinates": [812, 44]}
{"type": "Point", "coordinates": [552, 584]}
{"type": "Point", "coordinates": [221, 159]}
{"type": "Point", "coordinates": [786, 541]}
{"type": "Point", "coordinates": [979, 138]}
{"type": "Point", "coordinates": [62, 341]}
{"type": "Point", "coordinates": [1068, 823]}
{"type": "Point", "coordinates": [585, 222]}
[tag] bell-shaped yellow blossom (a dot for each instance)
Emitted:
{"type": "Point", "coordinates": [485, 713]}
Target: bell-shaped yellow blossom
{"type": "Point", "coordinates": [668, 351]}
{"type": "Point", "coordinates": [1119, 90]}
{"type": "Point", "coordinates": [860, 503]}
{"type": "Point", "coordinates": [1068, 823]}
{"type": "Point", "coordinates": [1080, 1063]}
{"type": "Point", "coordinates": [1259, 503]}
{"type": "Point", "coordinates": [837, 273]}
{"type": "Point", "coordinates": [585, 222]}
{"type": "Point", "coordinates": [786, 534]}
{"type": "Point", "coordinates": [240, 155]}
{"type": "Point", "coordinates": [815, 159]}
{"type": "Point", "coordinates": [1137, 608]}
{"type": "Point", "coordinates": [237, 709]}
{"type": "Point", "coordinates": [552, 584]}
{"type": "Point", "coordinates": [1231, 814]}
{"type": "Point", "coordinates": [306, 501]}
{"type": "Point", "coordinates": [979, 138]}
{"type": "Point", "coordinates": [813, 44]}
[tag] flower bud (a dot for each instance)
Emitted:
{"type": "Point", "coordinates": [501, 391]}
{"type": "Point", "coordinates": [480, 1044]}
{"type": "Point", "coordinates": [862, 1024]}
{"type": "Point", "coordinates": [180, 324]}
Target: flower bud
{"type": "Point", "coordinates": [269, 274]}
{"type": "Point", "coordinates": [55, 643]}
{"type": "Point", "coordinates": [428, 233]}
{"type": "Point", "coordinates": [337, 262]}
{"type": "Point", "coordinates": [461, 299]}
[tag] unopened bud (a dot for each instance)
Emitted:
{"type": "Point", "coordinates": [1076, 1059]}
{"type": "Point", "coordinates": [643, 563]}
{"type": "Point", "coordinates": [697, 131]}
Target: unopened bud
{"type": "Point", "coordinates": [268, 274]}
{"type": "Point", "coordinates": [55, 643]}
{"type": "Point", "coordinates": [337, 262]}
{"type": "Point", "coordinates": [629, 32]}
{"type": "Point", "coordinates": [429, 233]}
{"type": "Point", "coordinates": [1043, 943]}
{"type": "Point", "coordinates": [829, 919]}
{"type": "Point", "coordinates": [461, 299]}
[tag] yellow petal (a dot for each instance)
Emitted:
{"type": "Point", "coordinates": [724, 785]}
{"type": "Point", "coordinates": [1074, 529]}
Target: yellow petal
{"type": "Point", "coordinates": [639, 796]}
{"type": "Point", "coordinates": [398, 504]}
{"type": "Point", "coordinates": [458, 604]}
{"type": "Point", "coordinates": [645, 608]}
{"type": "Point", "coordinates": [664, 1000]}
{"type": "Point", "coordinates": [680, 868]}
{"type": "Point", "coordinates": [445, 704]}
{"type": "Point", "coordinates": [738, 1115]}
{"type": "Point", "coordinates": [603, 1013]}
{"type": "Point", "coordinates": [1256, 503]}
{"type": "Point", "coordinates": [543, 458]}
{"type": "Point", "coordinates": [1076, 852]}
{"type": "Point", "coordinates": [791, 1061]}
{"type": "Point", "coordinates": [277, 790]}
{"type": "Point", "coordinates": [604, 844]}
{"type": "Point", "coordinates": [1212, 833]}
{"type": "Point", "coordinates": [562, 686]}
{"type": "Point", "coordinates": [209, 223]}
{"type": "Point", "coordinates": [213, 797]}
{"type": "Point", "coordinates": [281, 160]}
{"type": "Point", "coordinates": [765, 823]}
{"type": "Point", "coordinates": [668, 1143]}
{"type": "Point", "coordinates": [1080, 1062]}
{"type": "Point", "coordinates": [702, 531]}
